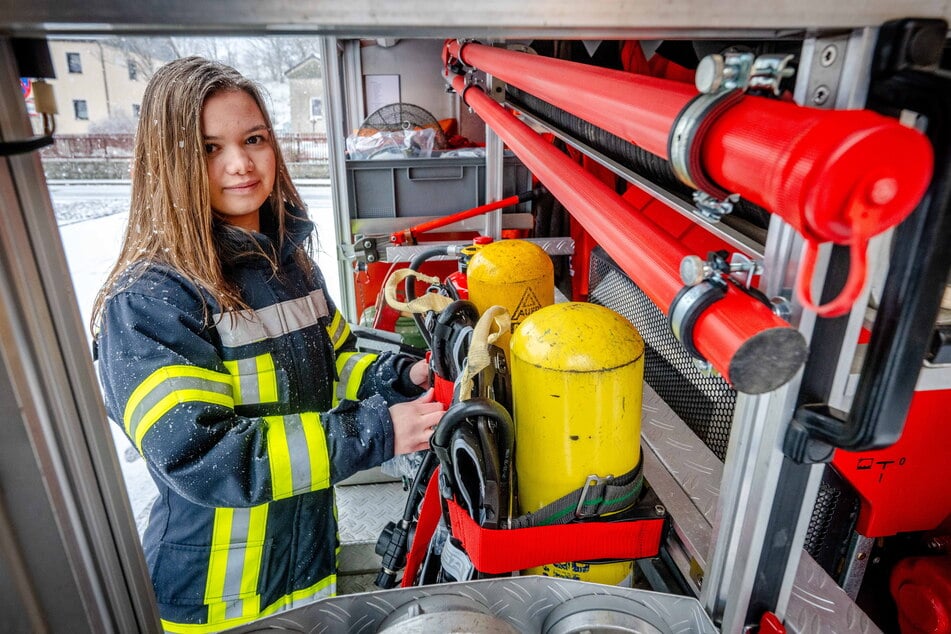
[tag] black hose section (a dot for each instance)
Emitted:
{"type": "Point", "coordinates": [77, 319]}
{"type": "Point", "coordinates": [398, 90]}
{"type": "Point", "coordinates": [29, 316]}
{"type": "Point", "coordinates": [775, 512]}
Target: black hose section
{"type": "Point", "coordinates": [501, 438]}
{"type": "Point", "coordinates": [635, 158]}
{"type": "Point", "coordinates": [418, 488]}
{"type": "Point", "coordinates": [453, 419]}
{"type": "Point", "coordinates": [445, 330]}
{"type": "Point", "coordinates": [410, 288]}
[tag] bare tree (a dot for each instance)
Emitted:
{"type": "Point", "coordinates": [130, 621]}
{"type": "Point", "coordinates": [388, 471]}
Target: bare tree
{"type": "Point", "coordinates": [147, 53]}
{"type": "Point", "coordinates": [275, 55]}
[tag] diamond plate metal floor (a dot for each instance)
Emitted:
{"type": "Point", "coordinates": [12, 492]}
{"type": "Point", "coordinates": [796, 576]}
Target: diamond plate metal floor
{"type": "Point", "coordinates": [362, 512]}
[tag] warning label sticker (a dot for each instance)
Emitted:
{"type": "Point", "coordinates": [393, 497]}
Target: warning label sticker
{"type": "Point", "coordinates": [527, 305]}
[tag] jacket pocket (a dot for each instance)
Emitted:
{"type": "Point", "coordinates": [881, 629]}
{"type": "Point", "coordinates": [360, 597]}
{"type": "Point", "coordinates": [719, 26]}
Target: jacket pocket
{"type": "Point", "coordinates": [201, 575]}
{"type": "Point", "coordinates": [257, 380]}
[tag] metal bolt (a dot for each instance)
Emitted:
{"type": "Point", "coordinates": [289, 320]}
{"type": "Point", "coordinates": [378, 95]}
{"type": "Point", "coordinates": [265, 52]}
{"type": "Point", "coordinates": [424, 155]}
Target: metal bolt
{"type": "Point", "coordinates": [861, 556]}
{"type": "Point", "coordinates": [660, 510]}
{"type": "Point", "coordinates": [821, 95]}
{"type": "Point", "coordinates": [828, 55]}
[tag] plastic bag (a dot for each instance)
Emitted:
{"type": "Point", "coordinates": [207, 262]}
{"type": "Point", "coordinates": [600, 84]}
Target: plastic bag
{"type": "Point", "coordinates": [398, 144]}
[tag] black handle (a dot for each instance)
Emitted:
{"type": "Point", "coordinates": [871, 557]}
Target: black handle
{"type": "Point", "coordinates": [917, 275]}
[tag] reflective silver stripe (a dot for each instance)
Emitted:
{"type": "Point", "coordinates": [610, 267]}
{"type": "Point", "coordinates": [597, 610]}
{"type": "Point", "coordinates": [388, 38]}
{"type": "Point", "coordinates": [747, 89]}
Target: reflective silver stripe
{"type": "Point", "coordinates": [248, 380]}
{"type": "Point", "coordinates": [239, 328]}
{"type": "Point", "coordinates": [299, 453]}
{"type": "Point", "coordinates": [234, 572]}
{"type": "Point", "coordinates": [169, 386]}
{"type": "Point", "coordinates": [346, 372]}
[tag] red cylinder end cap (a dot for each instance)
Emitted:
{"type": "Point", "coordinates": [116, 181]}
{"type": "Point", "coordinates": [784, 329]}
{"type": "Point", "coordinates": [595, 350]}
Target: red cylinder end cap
{"type": "Point", "coordinates": [921, 587]}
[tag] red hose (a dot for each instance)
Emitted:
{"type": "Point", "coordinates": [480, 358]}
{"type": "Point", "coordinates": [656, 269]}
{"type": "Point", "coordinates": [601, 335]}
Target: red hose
{"type": "Point", "coordinates": [734, 334]}
{"type": "Point", "coordinates": [804, 164]}
{"type": "Point", "coordinates": [839, 176]}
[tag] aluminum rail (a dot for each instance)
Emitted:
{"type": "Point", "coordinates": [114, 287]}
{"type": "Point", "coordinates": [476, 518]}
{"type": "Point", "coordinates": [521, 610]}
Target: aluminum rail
{"type": "Point", "coordinates": [753, 348]}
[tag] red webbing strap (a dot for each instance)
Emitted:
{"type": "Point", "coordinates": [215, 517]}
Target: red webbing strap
{"type": "Point", "coordinates": [496, 551]}
{"type": "Point", "coordinates": [443, 389]}
{"type": "Point", "coordinates": [429, 514]}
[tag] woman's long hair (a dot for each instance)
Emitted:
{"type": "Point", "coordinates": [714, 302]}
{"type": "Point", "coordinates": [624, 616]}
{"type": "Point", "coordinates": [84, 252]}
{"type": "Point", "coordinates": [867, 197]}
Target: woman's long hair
{"type": "Point", "coordinates": [170, 216]}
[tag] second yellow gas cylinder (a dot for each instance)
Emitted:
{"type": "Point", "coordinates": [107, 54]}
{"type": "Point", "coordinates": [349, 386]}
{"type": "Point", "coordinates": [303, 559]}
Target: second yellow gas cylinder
{"type": "Point", "coordinates": [577, 384]}
{"type": "Point", "coordinates": [515, 274]}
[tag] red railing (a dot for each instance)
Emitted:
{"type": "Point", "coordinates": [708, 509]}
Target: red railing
{"type": "Point", "coordinates": [297, 148]}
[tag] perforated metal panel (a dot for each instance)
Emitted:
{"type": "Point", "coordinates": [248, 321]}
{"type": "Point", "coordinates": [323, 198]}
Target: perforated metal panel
{"type": "Point", "coordinates": [704, 402]}
{"type": "Point", "coordinates": [832, 521]}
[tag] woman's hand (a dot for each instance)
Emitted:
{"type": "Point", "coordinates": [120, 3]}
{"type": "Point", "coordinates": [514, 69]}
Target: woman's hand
{"type": "Point", "coordinates": [413, 423]}
{"type": "Point", "coordinates": [419, 374]}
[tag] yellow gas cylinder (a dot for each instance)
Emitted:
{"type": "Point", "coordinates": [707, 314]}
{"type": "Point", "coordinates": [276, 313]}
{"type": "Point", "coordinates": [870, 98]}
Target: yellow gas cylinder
{"type": "Point", "coordinates": [515, 274]}
{"type": "Point", "coordinates": [577, 385]}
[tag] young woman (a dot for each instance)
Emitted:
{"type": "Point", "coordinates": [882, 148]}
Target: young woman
{"type": "Point", "coordinates": [228, 365]}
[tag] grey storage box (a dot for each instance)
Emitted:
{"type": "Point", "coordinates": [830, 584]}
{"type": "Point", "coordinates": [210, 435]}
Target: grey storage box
{"type": "Point", "coordinates": [427, 187]}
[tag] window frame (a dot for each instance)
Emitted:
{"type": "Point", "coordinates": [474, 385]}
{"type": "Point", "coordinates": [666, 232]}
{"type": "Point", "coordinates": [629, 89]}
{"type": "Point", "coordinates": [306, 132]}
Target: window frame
{"type": "Point", "coordinates": [74, 62]}
{"type": "Point", "coordinates": [81, 105]}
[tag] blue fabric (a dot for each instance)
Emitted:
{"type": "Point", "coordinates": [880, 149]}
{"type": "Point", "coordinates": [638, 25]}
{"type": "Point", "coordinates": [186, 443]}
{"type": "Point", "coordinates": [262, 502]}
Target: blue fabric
{"type": "Point", "coordinates": [203, 455]}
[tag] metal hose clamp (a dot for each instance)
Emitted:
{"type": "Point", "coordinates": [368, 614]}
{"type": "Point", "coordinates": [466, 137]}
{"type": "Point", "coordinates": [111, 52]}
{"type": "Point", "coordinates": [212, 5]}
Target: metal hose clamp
{"type": "Point", "coordinates": [687, 135]}
{"type": "Point", "coordinates": [687, 307]}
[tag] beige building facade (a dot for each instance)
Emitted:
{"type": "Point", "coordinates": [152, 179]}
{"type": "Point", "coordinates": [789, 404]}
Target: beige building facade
{"type": "Point", "coordinates": [306, 96]}
{"type": "Point", "coordinates": [97, 86]}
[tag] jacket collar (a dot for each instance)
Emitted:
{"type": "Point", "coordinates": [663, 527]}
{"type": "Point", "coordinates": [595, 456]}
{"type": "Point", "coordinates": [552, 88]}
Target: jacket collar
{"type": "Point", "coordinates": [237, 244]}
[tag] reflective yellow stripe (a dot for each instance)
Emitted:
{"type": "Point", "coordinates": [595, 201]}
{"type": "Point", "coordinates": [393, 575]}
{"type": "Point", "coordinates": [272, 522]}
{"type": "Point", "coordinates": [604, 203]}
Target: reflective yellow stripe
{"type": "Point", "coordinates": [234, 566]}
{"type": "Point", "coordinates": [338, 330]}
{"type": "Point", "coordinates": [254, 378]}
{"type": "Point", "coordinates": [350, 369]}
{"type": "Point", "coordinates": [317, 450]}
{"type": "Point", "coordinates": [340, 388]}
{"type": "Point", "coordinates": [232, 367]}
{"type": "Point", "coordinates": [267, 378]}
{"type": "Point", "coordinates": [218, 562]}
{"type": "Point", "coordinates": [326, 587]}
{"type": "Point", "coordinates": [297, 449]}
{"type": "Point", "coordinates": [251, 575]}
{"type": "Point", "coordinates": [282, 482]}
{"type": "Point", "coordinates": [162, 384]}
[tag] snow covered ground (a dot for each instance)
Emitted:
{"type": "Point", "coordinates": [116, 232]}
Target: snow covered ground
{"type": "Point", "coordinates": [92, 218]}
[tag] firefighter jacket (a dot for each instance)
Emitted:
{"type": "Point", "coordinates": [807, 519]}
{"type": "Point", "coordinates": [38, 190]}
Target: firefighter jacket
{"type": "Point", "coordinates": [246, 419]}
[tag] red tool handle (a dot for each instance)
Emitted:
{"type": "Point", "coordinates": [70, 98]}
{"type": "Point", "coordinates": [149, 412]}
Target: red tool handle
{"type": "Point", "coordinates": [400, 237]}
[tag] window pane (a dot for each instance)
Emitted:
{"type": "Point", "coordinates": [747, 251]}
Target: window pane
{"type": "Point", "coordinates": [74, 62]}
{"type": "Point", "coordinates": [80, 109]}
{"type": "Point", "coordinates": [316, 107]}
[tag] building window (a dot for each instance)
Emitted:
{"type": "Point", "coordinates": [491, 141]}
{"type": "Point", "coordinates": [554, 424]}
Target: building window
{"type": "Point", "coordinates": [74, 63]}
{"type": "Point", "coordinates": [80, 109]}
{"type": "Point", "coordinates": [316, 108]}
{"type": "Point", "coordinates": [133, 70]}
{"type": "Point", "coordinates": [135, 110]}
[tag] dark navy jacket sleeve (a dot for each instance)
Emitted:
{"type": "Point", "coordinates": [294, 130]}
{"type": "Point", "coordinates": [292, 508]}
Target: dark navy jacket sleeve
{"type": "Point", "coordinates": [363, 375]}
{"type": "Point", "coordinates": [167, 385]}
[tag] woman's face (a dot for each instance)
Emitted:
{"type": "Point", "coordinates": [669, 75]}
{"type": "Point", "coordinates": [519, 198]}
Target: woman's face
{"type": "Point", "coordinates": [239, 157]}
